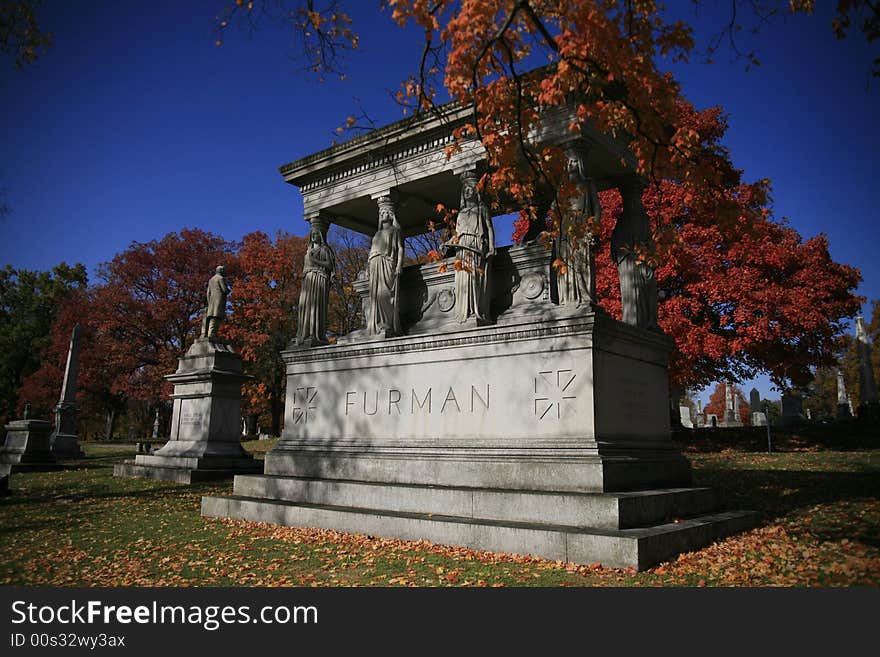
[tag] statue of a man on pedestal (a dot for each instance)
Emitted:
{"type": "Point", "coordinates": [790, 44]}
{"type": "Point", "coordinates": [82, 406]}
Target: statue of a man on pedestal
{"type": "Point", "coordinates": [215, 312]}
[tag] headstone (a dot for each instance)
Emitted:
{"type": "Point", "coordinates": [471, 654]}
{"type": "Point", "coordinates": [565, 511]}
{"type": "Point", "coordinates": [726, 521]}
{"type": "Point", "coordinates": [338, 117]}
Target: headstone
{"type": "Point", "coordinates": [156, 425]}
{"type": "Point", "coordinates": [64, 440]}
{"type": "Point", "coordinates": [27, 447]}
{"type": "Point", "coordinates": [205, 440]}
{"type": "Point", "coordinates": [792, 409]}
{"type": "Point", "coordinates": [869, 406]}
{"type": "Point", "coordinates": [684, 413]}
{"type": "Point", "coordinates": [754, 400]}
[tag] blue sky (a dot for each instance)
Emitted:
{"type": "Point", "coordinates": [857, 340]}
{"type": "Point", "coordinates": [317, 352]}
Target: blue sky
{"type": "Point", "coordinates": [134, 125]}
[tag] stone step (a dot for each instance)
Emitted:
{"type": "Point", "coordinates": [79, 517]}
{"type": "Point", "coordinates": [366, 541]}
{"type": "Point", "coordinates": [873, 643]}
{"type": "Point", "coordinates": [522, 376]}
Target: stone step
{"type": "Point", "coordinates": [613, 548]}
{"type": "Point", "coordinates": [603, 510]}
{"type": "Point", "coordinates": [177, 475]}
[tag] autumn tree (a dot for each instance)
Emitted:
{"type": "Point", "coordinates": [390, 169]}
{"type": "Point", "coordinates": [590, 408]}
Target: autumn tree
{"type": "Point", "coordinates": [29, 303]}
{"type": "Point", "coordinates": [21, 37]}
{"type": "Point", "coordinates": [263, 317]}
{"type": "Point", "coordinates": [98, 406]}
{"type": "Point", "coordinates": [344, 311]}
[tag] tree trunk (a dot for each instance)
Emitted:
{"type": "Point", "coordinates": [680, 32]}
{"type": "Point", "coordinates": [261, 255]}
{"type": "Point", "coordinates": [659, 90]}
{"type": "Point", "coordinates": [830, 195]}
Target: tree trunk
{"type": "Point", "coordinates": [110, 426]}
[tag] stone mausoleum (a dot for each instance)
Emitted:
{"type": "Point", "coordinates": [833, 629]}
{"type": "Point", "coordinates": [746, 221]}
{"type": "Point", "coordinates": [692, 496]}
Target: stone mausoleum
{"type": "Point", "coordinates": [489, 402]}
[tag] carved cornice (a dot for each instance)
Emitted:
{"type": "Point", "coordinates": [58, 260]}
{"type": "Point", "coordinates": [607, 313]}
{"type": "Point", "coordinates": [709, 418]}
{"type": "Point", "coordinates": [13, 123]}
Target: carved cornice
{"type": "Point", "coordinates": [447, 117]}
{"type": "Point", "coordinates": [585, 325]}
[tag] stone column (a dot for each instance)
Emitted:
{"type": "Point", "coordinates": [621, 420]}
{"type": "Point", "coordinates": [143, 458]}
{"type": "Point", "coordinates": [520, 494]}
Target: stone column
{"type": "Point", "coordinates": [631, 241]}
{"type": "Point", "coordinates": [64, 441]}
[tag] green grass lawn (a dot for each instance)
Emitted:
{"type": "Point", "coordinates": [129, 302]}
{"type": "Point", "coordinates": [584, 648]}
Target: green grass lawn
{"type": "Point", "coordinates": [820, 526]}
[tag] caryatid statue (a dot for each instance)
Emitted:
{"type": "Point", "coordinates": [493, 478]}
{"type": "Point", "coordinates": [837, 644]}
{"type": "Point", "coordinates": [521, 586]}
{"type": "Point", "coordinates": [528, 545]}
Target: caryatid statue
{"type": "Point", "coordinates": [631, 242]}
{"type": "Point", "coordinates": [318, 267]}
{"type": "Point", "coordinates": [576, 280]}
{"type": "Point", "coordinates": [383, 270]}
{"type": "Point", "coordinates": [474, 246]}
{"type": "Point", "coordinates": [215, 312]}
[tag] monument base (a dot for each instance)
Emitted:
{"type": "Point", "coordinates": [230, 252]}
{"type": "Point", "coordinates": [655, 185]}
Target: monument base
{"type": "Point", "coordinates": [27, 447]}
{"type": "Point", "coordinates": [547, 437]}
{"type": "Point", "coordinates": [870, 413]}
{"type": "Point", "coordinates": [205, 424]}
{"type": "Point", "coordinates": [618, 530]}
{"type": "Point", "coordinates": [66, 446]}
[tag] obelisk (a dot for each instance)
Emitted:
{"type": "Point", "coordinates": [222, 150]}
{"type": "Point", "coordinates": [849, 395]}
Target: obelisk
{"type": "Point", "coordinates": [869, 406]}
{"type": "Point", "coordinates": [64, 442]}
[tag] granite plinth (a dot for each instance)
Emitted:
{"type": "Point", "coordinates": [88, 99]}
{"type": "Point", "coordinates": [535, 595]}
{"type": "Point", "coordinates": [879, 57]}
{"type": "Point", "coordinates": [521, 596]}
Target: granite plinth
{"type": "Point", "coordinates": [544, 436]}
{"type": "Point", "coordinates": [205, 440]}
{"type": "Point", "coordinates": [27, 447]}
{"type": "Point", "coordinates": [638, 547]}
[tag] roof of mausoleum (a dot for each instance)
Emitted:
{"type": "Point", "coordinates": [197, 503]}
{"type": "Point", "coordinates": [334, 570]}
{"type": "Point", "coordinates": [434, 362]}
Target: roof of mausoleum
{"type": "Point", "coordinates": [408, 159]}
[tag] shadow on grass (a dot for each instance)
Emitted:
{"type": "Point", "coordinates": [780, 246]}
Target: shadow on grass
{"type": "Point", "coordinates": [785, 493]}
{"type": "Point", "coordinates": [38, 509]}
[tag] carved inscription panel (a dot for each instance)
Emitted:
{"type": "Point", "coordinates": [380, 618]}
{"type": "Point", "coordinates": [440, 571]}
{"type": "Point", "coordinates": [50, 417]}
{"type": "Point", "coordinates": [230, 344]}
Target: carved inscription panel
{"type": "Point", "coordinates": [191, 417]}
{"type": "Point", "coordinates": [520, 396]}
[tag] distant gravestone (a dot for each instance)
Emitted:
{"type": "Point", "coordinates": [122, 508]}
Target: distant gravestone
{"type": "Point", "coordinates": [731, 406]}
{"type": "Point", "coordinates": [754, 400]}
{"type": "Point", "coordinates": [759, 418]}
{"type": "Point", "coordinates": [27, 447]}
{"type": "Point", "coordinates": [684, 413]}
{"type": "Point", "coordinates": [792, 409]}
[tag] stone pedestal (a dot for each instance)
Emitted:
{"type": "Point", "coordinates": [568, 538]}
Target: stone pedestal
{"type": "Point", "coordinates": [205, 440]}
{"type": "Point", "coordinates": [545, 436]}
{"type": "Point", "coordinates": [27, 447]}
{"type": "Point", "coordinates": [63, 441]}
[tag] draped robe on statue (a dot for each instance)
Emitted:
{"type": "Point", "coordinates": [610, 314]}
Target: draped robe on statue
{"type": "Point", "coordinates": [472, 275]}
{"type": "Point", "coordinates": [312, 316]}
{"type": "Point", "coordinates": [382, 267]}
